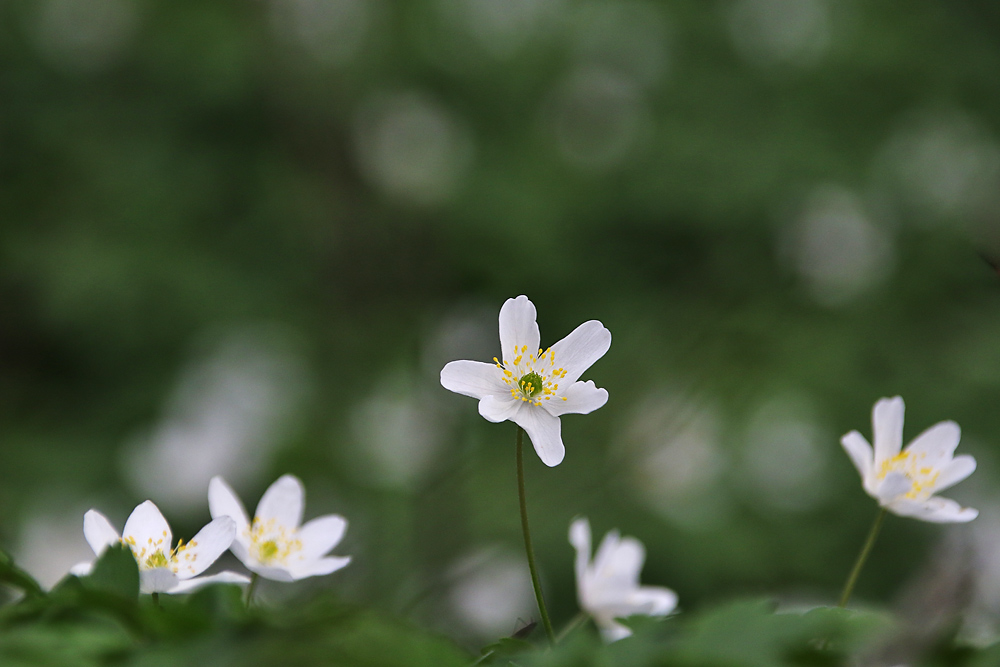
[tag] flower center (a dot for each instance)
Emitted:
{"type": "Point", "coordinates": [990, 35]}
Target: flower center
{"type": "Point", "coordinates": [922, 477]}
{"type": "Point", "coordinates": [151, 555]}
{"type": "Point", "coordinates": [272, 543]}
{"type": "Point", "coordinates": [532, 378]}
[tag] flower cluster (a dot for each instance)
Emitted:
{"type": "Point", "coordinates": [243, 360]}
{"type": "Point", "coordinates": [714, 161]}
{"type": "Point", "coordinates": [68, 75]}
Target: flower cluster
{"type": "Point", "coordinates": [273, 546]}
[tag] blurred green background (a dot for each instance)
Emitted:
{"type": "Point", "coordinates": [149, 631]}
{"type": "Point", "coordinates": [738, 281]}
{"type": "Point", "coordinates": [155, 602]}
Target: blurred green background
{"type": "Point", "coordinates": [242, 238]}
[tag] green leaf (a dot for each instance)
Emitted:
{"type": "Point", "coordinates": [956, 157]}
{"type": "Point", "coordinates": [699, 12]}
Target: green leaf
{"type": "Point", "coordinates": [115, 572]}
{"type": "Point", "coordinates": [15, 576]}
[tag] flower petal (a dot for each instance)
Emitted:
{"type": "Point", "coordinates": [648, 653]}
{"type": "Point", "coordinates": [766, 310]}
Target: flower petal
{"type": "Point", "coordinates": [581, 348]}
{"type": "Point", "coordinates": [954, 472]}
{"type": "Point", "coordinates": [274, 573]}
{"type": "Point", "coordinates": [223, 501]}
{"type": "Point", "coordinates": [581, 398]}
{"type": "Point", "coordinates": [934, 510]}
{"type": "Point", "coordinates": [618, 562]}
{"type": "Point", "coordinates": [81, 569]}
{"type": "Point", "coordinates": [320, 535]}
{"type": "Point", "coordinates": [579, 537]}
{"type": "Point", "coordinates": [894, 485]}
{"type": "Point", "coordinates": [518, 328]}
{"type": "Point", "coordinates": [195, 583]}
{"type": "Point", "coordinates": [887, 425]}
{"type": "Point", "coordinates": [318, 567]}
{"type": "Point", "coordinates": [472, 378]}
{"type": "Point", "coordinates": [205, 547]}
{"type": "Point", "coordinates": [937, 444]}
{"type": "Point", "coordinates": [147, 529]}
{"type": "Point", "coordinates": [860, 452]}
{"type": "Point", "coordinates": [99, 532]}
{"type": "Point", "coordinates": [283, 501]}
{"type": "Point", "coordinates": [499, 408]}
{"type": "Point", "coordinates": [157, 580]}
{"type": "Point", "coordinates": [653, 600]}
{"type": "Point", "coordinates": [544, 430]}
{"type": "Point", "coordinates": [611, 630]}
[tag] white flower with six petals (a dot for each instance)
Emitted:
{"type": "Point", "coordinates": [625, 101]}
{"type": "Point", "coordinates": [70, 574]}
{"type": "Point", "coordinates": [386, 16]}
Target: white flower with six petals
{"type": "Point", "coordinates": [274, 545]}
{"type": "Point", "coordinates": [608, 587]}
{"type": "Point", "coordinates": [162, 569]}
{"type": "Point", "coordinates": [530, 386]}
{"type": "Point", "coordinates": [905, 482]}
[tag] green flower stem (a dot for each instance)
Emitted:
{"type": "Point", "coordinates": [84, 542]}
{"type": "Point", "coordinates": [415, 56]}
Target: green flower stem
{"type": "Point", "coordinates": [573, 624]}
{"type": "Point", "coordinates": [862, 557]}
{"type": "Point", "coordinates": [527, 538]}
{"type": "Point", "coordinates": [251, 587]}
{"type": "Point", "coordinates": [156, 599]}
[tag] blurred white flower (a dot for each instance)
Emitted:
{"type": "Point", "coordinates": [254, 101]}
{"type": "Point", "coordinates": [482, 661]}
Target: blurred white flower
{"type": "Point", "coordinates": [608, 587]}
{"type": "Point", "coordinates": [275, 546]}
{"type": "Point", "coordinates": [162, 569]}
{"type": "Point", "coordinates": [905, 482]}
{"type": "Point", "coordinates": [525, 386]}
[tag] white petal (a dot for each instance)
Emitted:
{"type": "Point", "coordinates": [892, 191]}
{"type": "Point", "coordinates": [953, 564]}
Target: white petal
{"type": "Point", "coordinates": [320, 535]}
{"type": "Point", "coordinates": [223, 501]}
{"type": "Point", "coordinates": [894, 485]}
{"type": "Point", "coordinates": [99, 532]}
{"type": "Point", "coordinates": [544, 431]}
{"type": "Point", "coordinates": [579, 537]}
{"type": "Point", "coordinates": [581, 348]}
{"type": "Point", "coordinates": [518, 328]}
{"type": "Point", "coordinates": [473, 378]}
{"type": "Point", "coordinates": [581, 398]}
{"type": "Point", "coordinates": [860, 452]}
{"type": "Point", "coordinates": [612, 630]}
{"type": "Point", "coordinates": [195, 583]}
{"type": "Point", "coordinates": [157, 580]}
{"type": "Point", "coordinates": [283, 501]}
{"type": "Point", "coordinates": [319, 567]}
{"type": "Point", "coordinates": [934, 510]}
{"type": "Point", "coordinates": [618, 562]}
{"type": "Point", "coordinates": [274, 573]}
{"type": "Point", "coordinates": [205, 547]}
{"type": "Point", "coordinates": [499, 408]}
{"type": "Point", "coordinates": [653, 600]}
{"type": "Point", "coordinates": [147, 529]}
{"type": "Point", "coordinates": [81, 569]}
{"type": "Point", "coordinates": [954, 472]}
{"type": "Point", "coordinates": [887, 425]}
{"type": "Point", "coordinates": [937, 444]}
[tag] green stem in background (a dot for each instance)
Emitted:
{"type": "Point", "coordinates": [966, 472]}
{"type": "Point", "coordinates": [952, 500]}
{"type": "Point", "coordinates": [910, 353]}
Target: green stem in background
{"type": "Point", "coordinates": [527, 538]}
{"type": "Point", "coordinates": [156, 599]}
{"type": "Point", "coordinates": [573, 624]}
{"type": "Point", "coordinates": [862, 557]}
{"type": "Point", "coordinates": [251, 587]}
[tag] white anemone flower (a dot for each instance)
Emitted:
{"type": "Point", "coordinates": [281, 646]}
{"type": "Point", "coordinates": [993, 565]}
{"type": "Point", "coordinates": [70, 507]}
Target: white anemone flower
{"type": "Point", "coordinates": [162, 569]}
{"type": "Point", "coordinates": [608, 587]}
{"type": "Point", "coordinates": [274, 545]}
{"type": "Point", "coordinates": [530, 386]}
{"type": "Point", "coordinates": [905, 482]}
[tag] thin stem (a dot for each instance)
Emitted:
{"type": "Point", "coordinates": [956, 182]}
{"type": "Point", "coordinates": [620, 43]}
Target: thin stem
{"type": "Point", "coordinates": [536, 584]}
{"type": "Point", "coordinates": [862, 557]}
{"type": "Point", "coordinates": [252, 587]}
{"type": "Point", "coordinates": [573, 624]}
{"type": "Point", "coordinates": [156, 599]}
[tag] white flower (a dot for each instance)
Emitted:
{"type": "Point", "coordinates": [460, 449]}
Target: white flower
{"type": "Point", "coordinates": [532, 387]}
{"type": "Point", "coordinates": [608, 587]}
{"type": "Point", "coordinates": [162, 569]}
{"type": "Point", "coordinates": [274, 545]}
{"type": "Point", "coordinates": [905, 482]}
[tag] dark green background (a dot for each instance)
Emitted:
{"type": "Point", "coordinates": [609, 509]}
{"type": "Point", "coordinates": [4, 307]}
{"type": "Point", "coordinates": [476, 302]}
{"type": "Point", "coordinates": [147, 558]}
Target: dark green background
{"type": "Point", "coordinates": [356, 190]}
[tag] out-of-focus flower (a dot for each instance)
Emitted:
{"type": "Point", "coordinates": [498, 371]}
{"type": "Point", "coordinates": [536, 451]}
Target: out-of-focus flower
{"type": "Point", "coordinates": [274, 545]}
{"type": "Point", "coordinates": [905, 482]}
{"type": "Point", "coordinates": [162, 569]}
{"type": "Point", "coordinates": [608, 587]}
{"type": "Point", "coordinates": [532, 387]}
